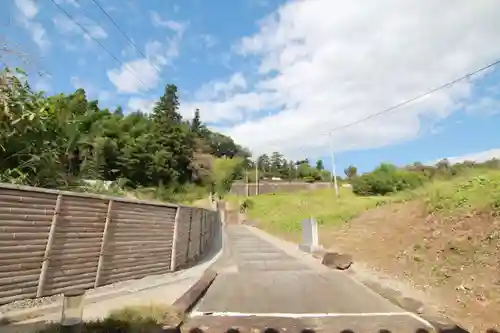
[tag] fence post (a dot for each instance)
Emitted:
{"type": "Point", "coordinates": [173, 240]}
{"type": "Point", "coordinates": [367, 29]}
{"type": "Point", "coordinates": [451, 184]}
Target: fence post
{"type": "Point", "coordinates": [174, 240]}
{"type": "Point", "coordinates": [201, 230]}
{"type": "Point", "coordinates": [48, 247]}
{"type": "Point", "coordinates": [189, 234]}
{"type": "Point", "coordinates": [103, 244]}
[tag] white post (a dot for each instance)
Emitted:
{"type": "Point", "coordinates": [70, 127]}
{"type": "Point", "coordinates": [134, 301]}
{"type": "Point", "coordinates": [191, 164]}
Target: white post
{"type": "Point", "coordinates": [310, 239]}
{"type": "Point", "coordinates": [334, 173]}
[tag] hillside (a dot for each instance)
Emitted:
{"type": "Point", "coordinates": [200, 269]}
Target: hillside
{"type": "Point", "coordinates": [441, 238]}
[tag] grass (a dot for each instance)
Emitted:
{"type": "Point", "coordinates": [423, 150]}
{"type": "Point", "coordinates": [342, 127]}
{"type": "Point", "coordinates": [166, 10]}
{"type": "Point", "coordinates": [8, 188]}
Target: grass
{"type": "Point", "coordinates": [477, 190]}
{"type": "Point", "coordinates": [136, 319]}
{"type": "Point", "coordinates": [282, 213]}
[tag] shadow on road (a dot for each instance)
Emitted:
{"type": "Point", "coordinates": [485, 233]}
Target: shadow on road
{"type": "Point", "coordinates": [149, 326]}
{"type": "Point", "coordinates": [272, 330]}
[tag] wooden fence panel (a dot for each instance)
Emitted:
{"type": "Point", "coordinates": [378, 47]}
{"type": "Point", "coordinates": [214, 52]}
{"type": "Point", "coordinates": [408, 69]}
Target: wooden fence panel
{"type": "Point", "coordinates": [25, 219]}
{"type": "Point", "coordinates": [53, 241]}
{"type": "Point", "coordinates": [194, 241]}
{"type": "Point", "coordinates": [183, 235]}
{"type": "Point", "coordinates": [140, 242]}
{"type": "Point", "coordinates": [75, 252]}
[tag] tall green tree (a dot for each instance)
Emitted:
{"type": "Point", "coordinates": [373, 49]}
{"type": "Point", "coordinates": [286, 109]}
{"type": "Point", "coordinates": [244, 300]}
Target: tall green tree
{"type": "Point", "coordinates": [351, 172]}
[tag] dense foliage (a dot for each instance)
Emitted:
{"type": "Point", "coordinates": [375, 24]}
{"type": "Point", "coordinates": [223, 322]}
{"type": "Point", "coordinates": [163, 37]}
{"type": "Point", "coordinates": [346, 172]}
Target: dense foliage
{"type": "Point", "coordinates": [58, 141]}
{"type": "Point", "coordinates": [387, 178]}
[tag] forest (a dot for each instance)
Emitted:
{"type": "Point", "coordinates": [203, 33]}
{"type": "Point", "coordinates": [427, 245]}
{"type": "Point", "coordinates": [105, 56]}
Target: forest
{"type": "Point", "coordinates": [66, 140]}
{"type": "Point", "coordinates": [59, 141]}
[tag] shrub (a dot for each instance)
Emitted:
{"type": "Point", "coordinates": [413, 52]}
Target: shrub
{"type": "Point", "coordinates": [386, 179]}
{"type": "Point", "coordinates": [309, 179]}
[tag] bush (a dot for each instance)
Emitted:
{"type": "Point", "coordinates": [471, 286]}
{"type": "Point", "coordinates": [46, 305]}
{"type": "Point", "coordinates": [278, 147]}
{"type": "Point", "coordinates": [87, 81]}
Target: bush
{"type": "Point", "coordinates": [309, 179]}
{"type": "Point", "coordinates": [246, 205]}
{"type": "Point", "coordinates": [386, 179]}
{"type": "Point", "coordinates": [134, 319]}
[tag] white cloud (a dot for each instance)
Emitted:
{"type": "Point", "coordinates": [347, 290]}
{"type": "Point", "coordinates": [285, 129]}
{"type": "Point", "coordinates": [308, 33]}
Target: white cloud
{"type": "Point", "coordinates": [208, 40]}
{"type": "Point", "coordinates": [66, 26]}
{"type": "Point", "coordinates": [29, 10]}
{"type": "Point", "coordinates": [140, 104]}
{"type": "Point", "coordinates": [69, 2]}
{"type": "Point", "coordinates": [219, 88]}
{"type": "Point", "coordinates": [486, 106]}
{"type": "Point", "coordinates": [134, 76]}
{"type": "Point", "coordinates": [27, 7]}
{"type": "Point", "coordinates": [326, 63]}
{"type": "Point", "coordinates": [91, 90]}
{"type": "Point", "coordinates": [143, 74]}
{"type": "Point", "coordinates": [473, 157]}
{"type": "Point", "coordinates": [178, 27]}
{"type": "Point", "coordinates": [38, 34]}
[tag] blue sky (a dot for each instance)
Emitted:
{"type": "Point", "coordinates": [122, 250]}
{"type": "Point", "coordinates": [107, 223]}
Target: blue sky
{"type": "Point", "coordinates": [280, 75]}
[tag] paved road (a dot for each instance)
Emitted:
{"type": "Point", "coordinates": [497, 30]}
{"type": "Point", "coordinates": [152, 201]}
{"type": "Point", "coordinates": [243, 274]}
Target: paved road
{"type": "Point", "coordinates": [263, 282]}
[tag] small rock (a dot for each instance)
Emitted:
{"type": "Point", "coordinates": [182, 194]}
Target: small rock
{"type": "Point", "coordinates": [411, 304]}
{"type": "Point", "coordinates": [337, 260]}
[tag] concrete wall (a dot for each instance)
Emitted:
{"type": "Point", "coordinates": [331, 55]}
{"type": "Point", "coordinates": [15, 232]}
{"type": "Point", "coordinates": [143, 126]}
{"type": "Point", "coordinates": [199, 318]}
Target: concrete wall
{"type": "Point", "coordinates": [273, 187]}
{"type": "Point", "coordinates": [52, 241]}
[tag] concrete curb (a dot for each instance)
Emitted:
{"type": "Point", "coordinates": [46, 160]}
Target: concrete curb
{"type": "Point", "coordinates": [186, 302]}
{"type": "Point", "coordinates": [53, 308]}
{"type": "Point", "coordinates": [440, 323]}
{"type": "Point", "coordinates": [21, 315]}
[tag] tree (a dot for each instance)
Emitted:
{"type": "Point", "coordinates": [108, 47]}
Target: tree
{"type": "Point", "coordinates": [351, 172]}
{"type": "Point", "coordinates": [319, 165]}
{"type": "Point", "coordinates": [60, 140]}
{"type": "Point", "coordinates": [196, 125]}
{"type": "Point", "coordinates": [443, 165]}
{"type": "Point", "coordinates": [276, 164]}
{"type": "Point", "coordinates": [166, 109]}
{"type": "Point", "coordinates": [174, 146]}
{"type": "Point", "coordinates": [263, 162]}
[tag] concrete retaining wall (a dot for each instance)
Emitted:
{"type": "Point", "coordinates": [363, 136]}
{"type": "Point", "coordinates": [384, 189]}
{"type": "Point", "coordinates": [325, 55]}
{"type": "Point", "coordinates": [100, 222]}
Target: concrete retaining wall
{"type": "Point", "coordinates": [273, 187]}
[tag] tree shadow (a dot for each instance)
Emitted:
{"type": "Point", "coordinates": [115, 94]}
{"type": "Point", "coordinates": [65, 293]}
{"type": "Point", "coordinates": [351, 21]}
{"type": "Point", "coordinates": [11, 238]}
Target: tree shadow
{"type": "Point", "coordinates": [272, 330]}
{"type": "Point", "coordinates": [151, 326]}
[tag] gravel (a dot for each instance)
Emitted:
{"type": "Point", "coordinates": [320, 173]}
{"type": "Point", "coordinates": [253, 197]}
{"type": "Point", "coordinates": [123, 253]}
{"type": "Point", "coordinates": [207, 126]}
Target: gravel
{"type": "Point", "coordinates": [29, 303]}
{"type": "Point", "coordinates": [43, 301]}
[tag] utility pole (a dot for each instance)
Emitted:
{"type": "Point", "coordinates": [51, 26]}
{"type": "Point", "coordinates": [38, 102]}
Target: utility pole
{"type": "Point", "coordinates": [246, 182]}
{"type": "Point", "coordinates": [289, 173]}
{"type": "Point", "coordinates": [257, 176]}
{"type": "Point", "coordinates": [334, 173]}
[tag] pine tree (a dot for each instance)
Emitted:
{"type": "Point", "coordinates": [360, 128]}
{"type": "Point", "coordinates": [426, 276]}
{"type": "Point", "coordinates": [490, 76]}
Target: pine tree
{"type": "Point", "coordinates": [196, 123]}
{"type": "Point", "coordinates": [174, 146]}
{"type": "Point", "coordinates": [319, 165]}
{"type": "Point", "coordinates": [166, 110]}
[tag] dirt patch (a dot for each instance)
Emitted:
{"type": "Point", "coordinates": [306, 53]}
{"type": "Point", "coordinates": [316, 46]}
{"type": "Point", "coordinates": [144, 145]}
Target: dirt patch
{"type": "Point", "coordinates": [455, 260]}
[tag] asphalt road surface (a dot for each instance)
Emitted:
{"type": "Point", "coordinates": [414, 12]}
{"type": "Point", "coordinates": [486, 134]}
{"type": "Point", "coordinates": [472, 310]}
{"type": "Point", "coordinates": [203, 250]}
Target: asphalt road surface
{"type": "Point", "coordinates": [264, 284]}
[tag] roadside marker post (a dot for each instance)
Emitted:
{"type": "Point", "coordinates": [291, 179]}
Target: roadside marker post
{"type": "Point", "coordinates": [310, 239]}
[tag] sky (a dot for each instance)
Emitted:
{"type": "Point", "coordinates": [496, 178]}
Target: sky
{"type": "Point", "coordinates": [296, 76]}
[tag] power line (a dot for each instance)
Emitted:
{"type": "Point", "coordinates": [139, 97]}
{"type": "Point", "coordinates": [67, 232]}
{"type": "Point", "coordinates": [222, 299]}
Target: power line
{"type": "Point", "coordinates": [397, 106]}
{"type": "Point", "coordinates": [99, 43]}
{"type": "Point", "coordinates": [123, 32]}
{"type": "Point", "coordinates": [401, 104]}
